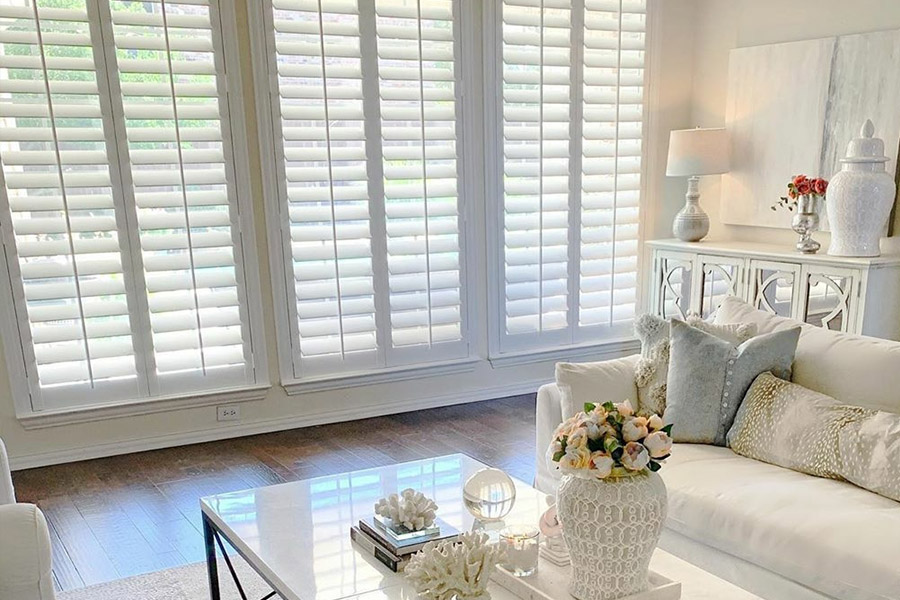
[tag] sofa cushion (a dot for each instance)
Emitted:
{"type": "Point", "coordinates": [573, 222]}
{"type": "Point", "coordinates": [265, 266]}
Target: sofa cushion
{"type": "Point", "coordinates": [853, 369]}
{"type": "Point", "coordinates": [831, 536]}
{"type": "Point", "coordinates": [597, 382]}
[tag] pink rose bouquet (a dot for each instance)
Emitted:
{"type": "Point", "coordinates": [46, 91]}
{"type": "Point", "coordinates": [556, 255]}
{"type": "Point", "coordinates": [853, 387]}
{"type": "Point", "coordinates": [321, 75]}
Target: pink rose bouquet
{"type": "Point", "coordinates": [801, 185]}
{"type": "Point", "coordinates": [609, 440]}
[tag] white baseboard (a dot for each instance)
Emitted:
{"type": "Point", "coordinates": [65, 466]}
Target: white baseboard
{"type": "Point", "coordinates": [43, 459]}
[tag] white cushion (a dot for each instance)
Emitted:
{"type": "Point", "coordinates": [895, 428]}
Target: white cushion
{"type": "Point", "coordinates": [598, 382]}
{"type": "Point", "coordinates": [853, 369]}
{"type": "Point", "coordinates": [24, 554]}
{"type": "Point", "coordinates": [828, 535]}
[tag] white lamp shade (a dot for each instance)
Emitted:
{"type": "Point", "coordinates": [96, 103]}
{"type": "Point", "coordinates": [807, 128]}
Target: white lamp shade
{"type": "Point", "coordinates": [698, 152]}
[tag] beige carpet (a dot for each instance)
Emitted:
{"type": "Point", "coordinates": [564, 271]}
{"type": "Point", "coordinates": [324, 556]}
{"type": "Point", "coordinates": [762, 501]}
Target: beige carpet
{"type": "Point", "coordinates": [181, 583]}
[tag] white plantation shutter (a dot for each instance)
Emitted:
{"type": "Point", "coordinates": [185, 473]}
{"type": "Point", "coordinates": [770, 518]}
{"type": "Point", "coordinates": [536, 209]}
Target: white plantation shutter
{"type": "Point", "coordinates": [364, 97]}
{"type": "Point", "coordinates": [118, 200]}
{"type": "Point", "coordinates": [571, 102]}
{"type": "Point", "coordinates": [169, 62]}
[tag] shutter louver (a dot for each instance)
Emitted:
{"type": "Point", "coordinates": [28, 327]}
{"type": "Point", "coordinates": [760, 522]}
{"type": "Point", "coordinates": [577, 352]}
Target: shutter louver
{"type": "Point", "coordinates": [171, 98]}
{"type": "Point", "coordinates": [59, 192]}
{"type": "Point", "coordinates": [572, 112]}
{"type": "Point", "coordinates": [365, 101]}
{"type": "Point", "coordinates": [118, 190]}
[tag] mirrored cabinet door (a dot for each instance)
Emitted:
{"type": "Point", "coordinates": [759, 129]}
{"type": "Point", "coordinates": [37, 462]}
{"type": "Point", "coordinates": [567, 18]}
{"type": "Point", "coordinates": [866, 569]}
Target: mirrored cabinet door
{"type": "Point", "coordinates": [775, 287]}
{"type": "Point", "coordinates": [830, 298]}
{"type": "Point", "coordinates": [720, 277]}
{"type": "Point", "coordinates": [674, 281]}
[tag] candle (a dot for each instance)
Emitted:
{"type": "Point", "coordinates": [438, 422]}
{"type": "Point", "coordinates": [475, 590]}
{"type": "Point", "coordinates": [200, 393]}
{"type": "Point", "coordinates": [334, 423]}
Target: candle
{"type": "Point", "coordinates": [522, 548]}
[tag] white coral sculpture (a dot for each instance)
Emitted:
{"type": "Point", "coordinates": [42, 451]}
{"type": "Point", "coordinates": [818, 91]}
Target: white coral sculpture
{"type": "Point", "coordinates": [411, 509]}
{"type": "Point", "coordinates": [460, 568]}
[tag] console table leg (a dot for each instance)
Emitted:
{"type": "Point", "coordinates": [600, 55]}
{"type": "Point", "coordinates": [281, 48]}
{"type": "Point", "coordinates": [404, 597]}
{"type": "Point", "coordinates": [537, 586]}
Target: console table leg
{"type": "Point", "coordinates": [212, 570]}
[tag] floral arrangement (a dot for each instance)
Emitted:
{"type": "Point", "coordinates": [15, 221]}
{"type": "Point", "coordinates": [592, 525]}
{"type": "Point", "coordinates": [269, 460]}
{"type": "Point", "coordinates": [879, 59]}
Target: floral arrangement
{"type": "Point", "coordinates": [458, 568]}
{"type": "Point", "coordinates": [801, 185]}
{"type": "Point", "coordinates": [609, 440]}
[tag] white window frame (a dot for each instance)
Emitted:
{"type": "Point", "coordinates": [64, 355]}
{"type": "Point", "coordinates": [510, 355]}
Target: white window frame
{"type": "Point", "coordinates": [505, 349]}
{"type": "Point", "coordinates": [28, 409]}
{"type": "Point", "coordinates": [468, 151]}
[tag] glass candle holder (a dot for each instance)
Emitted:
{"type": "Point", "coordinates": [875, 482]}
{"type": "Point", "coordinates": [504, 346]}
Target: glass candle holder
{"type": "Point", "coordinates": [522, 544]}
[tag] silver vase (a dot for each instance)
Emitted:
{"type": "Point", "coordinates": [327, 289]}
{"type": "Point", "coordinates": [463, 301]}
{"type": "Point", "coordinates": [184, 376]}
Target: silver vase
{"type": "Point", "coordinates": [805, 222]}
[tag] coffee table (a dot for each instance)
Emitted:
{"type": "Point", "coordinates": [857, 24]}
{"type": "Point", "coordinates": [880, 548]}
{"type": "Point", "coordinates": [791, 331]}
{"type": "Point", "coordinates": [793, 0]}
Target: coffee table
{"type": "Point", "coordinates": [296, 535]}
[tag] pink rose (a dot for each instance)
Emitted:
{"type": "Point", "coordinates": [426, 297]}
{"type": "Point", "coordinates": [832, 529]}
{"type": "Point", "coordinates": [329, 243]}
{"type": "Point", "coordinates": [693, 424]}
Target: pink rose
{"type": "Point", "coordinates": [819, 186]}
{"type": "Point", "coordinates": [804, 187]}
{"type": "Point", "coordinates": [635, 457]}
{"type": "Point", "coordinates": [798, 179]}
{"type": "Point", "coordinates": [658, 444]}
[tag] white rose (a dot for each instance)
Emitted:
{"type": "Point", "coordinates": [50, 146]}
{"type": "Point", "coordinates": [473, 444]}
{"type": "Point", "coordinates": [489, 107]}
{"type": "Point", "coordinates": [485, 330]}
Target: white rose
{"type": "Point", "coordinates": [658, 444]}
{"type": "Point", "coordinates": [655, 422]}
{"type": "Point", "coordinates": [625, 409]}
{"type": "Point", "coordinates": [555, 447]}
{"type": "Point", "coordinates": [635, 457]}
{"type": "Point", "coordinates": [576, 457]}
{"type": "Point", "coordinates": [602, 464]}
{"type": "Point", "coordinates": [578, 437]}
{"type": "Point", "coordinates": [634, 429]}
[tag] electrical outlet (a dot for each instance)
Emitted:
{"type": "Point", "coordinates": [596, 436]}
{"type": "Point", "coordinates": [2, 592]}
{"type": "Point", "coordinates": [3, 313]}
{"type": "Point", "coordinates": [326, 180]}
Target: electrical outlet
{"type": "Point", "coordinates": [228, 412]}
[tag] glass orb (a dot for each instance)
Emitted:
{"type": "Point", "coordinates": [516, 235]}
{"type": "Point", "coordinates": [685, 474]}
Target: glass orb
{"type": "Point", "coordinates": [489, 494]}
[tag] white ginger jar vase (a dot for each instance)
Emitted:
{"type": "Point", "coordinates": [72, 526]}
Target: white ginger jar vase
{"type": "Point", "coordinates": [611, 527]}
{"type": "Point", "coordinates": [860, 197]}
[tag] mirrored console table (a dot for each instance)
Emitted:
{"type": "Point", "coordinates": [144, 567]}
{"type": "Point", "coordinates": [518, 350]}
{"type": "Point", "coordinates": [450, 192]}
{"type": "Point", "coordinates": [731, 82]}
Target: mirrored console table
{"type": "Point", "coordinates": [857, 295]}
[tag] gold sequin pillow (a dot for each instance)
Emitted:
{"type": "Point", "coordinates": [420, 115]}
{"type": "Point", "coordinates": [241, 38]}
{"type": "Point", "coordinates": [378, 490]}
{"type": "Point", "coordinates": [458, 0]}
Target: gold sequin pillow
{"type": "Point", "coordinates": [788, 425]}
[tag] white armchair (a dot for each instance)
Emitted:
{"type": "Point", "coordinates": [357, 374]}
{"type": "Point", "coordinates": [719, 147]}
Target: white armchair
{"type": "Point", "coordinates": [24, 544]}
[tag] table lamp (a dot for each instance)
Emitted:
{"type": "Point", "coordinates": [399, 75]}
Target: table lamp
{"type": "Point", "coordinates": [695, 152]}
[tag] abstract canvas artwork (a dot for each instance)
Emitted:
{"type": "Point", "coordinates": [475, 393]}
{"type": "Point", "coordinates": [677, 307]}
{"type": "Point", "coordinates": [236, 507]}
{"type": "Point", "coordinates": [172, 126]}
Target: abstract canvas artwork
{"type": "Point", "coordinates": [793, 107]}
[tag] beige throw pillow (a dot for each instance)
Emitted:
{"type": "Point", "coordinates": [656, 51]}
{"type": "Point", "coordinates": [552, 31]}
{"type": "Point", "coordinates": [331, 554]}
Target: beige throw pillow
{"type": "Point", "coordinates": [788, 425]}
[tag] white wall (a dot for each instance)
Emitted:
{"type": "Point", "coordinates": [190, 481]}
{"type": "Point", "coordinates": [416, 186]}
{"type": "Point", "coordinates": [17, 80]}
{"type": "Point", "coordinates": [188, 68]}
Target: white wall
{"type": "Point", "coordinates": [722, 25]}
{"type": "Point", "coordinates": [279, 411]}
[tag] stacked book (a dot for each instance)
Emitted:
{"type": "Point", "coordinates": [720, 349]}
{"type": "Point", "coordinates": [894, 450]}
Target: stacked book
{"type": "Point", "coordinates": [392, 546]}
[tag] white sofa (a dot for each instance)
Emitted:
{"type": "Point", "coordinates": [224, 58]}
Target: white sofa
{"type": "Point", "coordinates": [24, 545]}
{"type": "Point", "coordinates": [775, 532]}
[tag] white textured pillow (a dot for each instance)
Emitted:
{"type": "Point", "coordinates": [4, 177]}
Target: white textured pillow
{"type": "Point", "coordinates": [597, 382]}
{"type": "Point", "coordinates": [855, 369]}
{"type": "Point", "coordinates": [652, 370]}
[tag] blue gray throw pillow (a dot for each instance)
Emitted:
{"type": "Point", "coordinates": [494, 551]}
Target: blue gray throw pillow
{"type": "Point", "coordinates": [708, 378]}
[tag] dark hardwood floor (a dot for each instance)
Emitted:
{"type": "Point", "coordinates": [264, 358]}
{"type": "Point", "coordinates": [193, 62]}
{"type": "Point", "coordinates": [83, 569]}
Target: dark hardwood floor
{"type": "Point", "coordinates": [126, 515]}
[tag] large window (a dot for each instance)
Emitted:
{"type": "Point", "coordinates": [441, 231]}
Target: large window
{"type": "Point", "coordinates": [118, 201]}
{"type": "Point", "coordinates": [365, 105]}
{"type": "Point", "coordinates": [569, 91]}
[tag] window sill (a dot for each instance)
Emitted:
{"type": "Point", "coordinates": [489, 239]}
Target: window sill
{"type": "Point", "coordinates": [347, 380]}
{"type": "Point", "coordinates": [142, 406]}
{"type": "Point", "coordinates": [594, 351]}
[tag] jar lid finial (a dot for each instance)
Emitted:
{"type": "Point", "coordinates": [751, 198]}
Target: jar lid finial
{"type": "Point", "coordinates": [866, 148]}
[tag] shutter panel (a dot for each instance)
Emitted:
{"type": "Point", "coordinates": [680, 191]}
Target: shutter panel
{"type": "Point", "coordinates": [324, 178]}
{"type": "Point", "coordinates": [537, 71]}
{"type": "Point", "coordinates": [172, 97]}
{"type": "Point", "coordinates": [118, 200]}
{"type": "Point", "coordinates": [572, 108]}
{"type": "Point", "coordinates": [365, 98]}
{"type": "Point", "coordinates": [58, 189]}
{"type": "Point", "coordinates": [613, 88]}
{"type": "Point", "coordinates": [417, 87]}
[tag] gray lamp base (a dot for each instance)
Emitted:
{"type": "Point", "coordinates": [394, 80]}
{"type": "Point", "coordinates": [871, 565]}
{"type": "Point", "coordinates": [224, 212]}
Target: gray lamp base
{"type": "Point", "coordinates": [691, 224]}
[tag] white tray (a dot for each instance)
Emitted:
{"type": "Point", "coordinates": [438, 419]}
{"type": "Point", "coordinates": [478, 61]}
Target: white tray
{"type": "Point", "coordinates": [552, 582]}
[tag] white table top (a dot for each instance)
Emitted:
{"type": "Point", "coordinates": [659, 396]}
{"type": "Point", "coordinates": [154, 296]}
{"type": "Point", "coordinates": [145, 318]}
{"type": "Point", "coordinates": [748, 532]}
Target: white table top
{"type": "Point", "coordinates": [298, 534]}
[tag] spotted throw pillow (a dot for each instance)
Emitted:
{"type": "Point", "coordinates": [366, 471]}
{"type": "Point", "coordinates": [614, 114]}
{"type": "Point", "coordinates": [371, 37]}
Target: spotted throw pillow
{"type": "Point", "coordinates": [788, 425]}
